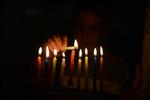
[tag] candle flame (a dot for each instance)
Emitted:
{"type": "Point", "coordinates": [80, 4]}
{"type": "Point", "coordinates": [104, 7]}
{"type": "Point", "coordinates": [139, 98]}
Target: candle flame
{"type": "Point", "coordinates": [47, 52]}
{"type": "Point", "coordinates": [80, 53]}
{"type": "Point", "coordinates": [63, 54]}
{"type": "Point", "coordinates": [101, 51]}
{"type": "Point", "coordinates": [95, 52]}
{"type": "Point", "coordinates": [40, 51]}
{"type": "Point", "coordinates": [55, 52]}
{"type": "Point", "coordinates": [86, 51]}
{"type": "Point", "coordinates": [75, 44]}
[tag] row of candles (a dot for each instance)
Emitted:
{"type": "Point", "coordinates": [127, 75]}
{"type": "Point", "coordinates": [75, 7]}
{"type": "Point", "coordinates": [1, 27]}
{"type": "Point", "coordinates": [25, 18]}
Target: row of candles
{"type": "Point", "coordinates": [72, 61]}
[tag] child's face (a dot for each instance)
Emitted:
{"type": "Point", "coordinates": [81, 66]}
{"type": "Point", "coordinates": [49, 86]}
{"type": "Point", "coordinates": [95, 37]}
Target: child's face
{"type": "Point", "coordinates": [88, 30]}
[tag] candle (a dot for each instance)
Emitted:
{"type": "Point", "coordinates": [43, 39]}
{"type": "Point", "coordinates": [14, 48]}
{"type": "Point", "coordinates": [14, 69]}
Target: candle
{"type": "Point", "coordinates": [63, 64]}
{"type": "Point", "coordinates": [39, 65]}
{"type": "Point", "coordinates": [95, 57]}
{"type": "Point", "coordinates": [86, 62]}
{"type": "Point", "coordinates": [101, 68]}
{"type": "Point", "coordinates": [39, 62]}
{"type": "Point", "coordinates": [79, 66]}
{"type": "Point", "coordinates": [94, 69]}
{"type": "Point", "coordinates": [46, 68]}
{"type": "Point", "coordinates": [54, 66]}
{"type": "Point", "coordinates": [86, 67]}
{"type": "Point", "coordinates": [72, 62]}
{"type": "Point", "coordinates": [46, 62]}
{"type": "Point", "coordinates": [79, 62]}
{"type": "Point", "coordinates": [47, 52]}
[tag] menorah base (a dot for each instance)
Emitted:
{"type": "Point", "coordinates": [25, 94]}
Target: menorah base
{"type": "Point", "coordinates": [88, 84]}
{"type": "Point", "coordinates": [81, 84]}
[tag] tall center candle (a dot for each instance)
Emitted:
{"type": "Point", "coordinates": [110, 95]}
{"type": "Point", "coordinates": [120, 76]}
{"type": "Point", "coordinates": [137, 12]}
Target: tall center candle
{"type": "Point", "coordinates": [72, 62]}
{"type": "Point", "coordinates": [54, 66]}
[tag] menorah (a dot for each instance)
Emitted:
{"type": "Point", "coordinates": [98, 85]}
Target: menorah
{"type": "Point", "coordinates": [70, 68]}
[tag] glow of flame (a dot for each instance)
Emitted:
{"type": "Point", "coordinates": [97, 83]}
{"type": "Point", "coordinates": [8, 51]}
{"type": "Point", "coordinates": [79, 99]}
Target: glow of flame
{"type": "Point", "coordinates": [40, 51]}
{"type": "Point", "coordinates": [55, 52]}
{"type": "Point", "coordinates": [80, 53]}
{"type": "Point", "coordinates": [47, 52]}
{"type": "Point", "coordinates": [101, 51]}
{"type": "Point", "coordinates": [86, 51]}
{"type": "Point", "coordinates": [63, 54]}
{"type": "Point", "coordinates": [75, 44]}
{"type": "Point", "coordinates": [95, 52]}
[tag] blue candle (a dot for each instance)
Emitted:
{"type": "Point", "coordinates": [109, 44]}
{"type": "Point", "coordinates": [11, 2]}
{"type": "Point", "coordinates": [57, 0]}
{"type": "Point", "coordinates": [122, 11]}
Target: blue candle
{"type": "Point", "coordinates": [94, 69]}
{"type": "Point", "coordinates": [101, 68]}
{"type": "Point", "coordinates": [46, 67]}
{"type": "Point", "coordinates": [95, 57]}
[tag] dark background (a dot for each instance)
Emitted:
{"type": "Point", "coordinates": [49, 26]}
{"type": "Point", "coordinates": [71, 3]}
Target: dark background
{"type": "Point", "coordinates": [26, 24]}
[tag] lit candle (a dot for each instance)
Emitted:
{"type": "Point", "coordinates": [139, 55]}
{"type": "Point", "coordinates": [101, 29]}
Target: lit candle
{"type": "Point", "coordinates": [63, 64]}
{"type": "Point", "coordinates": [101, 68]}
{"type": "Point", "coordinates": [86, 67]}
{"type": "Point", "coordinates": [79, 66]}
{"type": "Point", "coordinates": [72, 62]}
{"type": "Point", "coordinates": [47, 52]}
{"type": "Point", "coordinates": [46, 68]}
{"type": "Point", "coordinates": [86, 62]}
{"type": "Point", "coordinates": [39, 65]}
{"type": "Point", "coordinates": [54, 66]}
{"type": "Point", "coordinates": [39, 61]}
{"type": "Point", "coordinates": [95, 57]}
{"type": "Point", "coordinates": [79, 62]}
{"type": "Point", "coordinates": [94, 69]}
